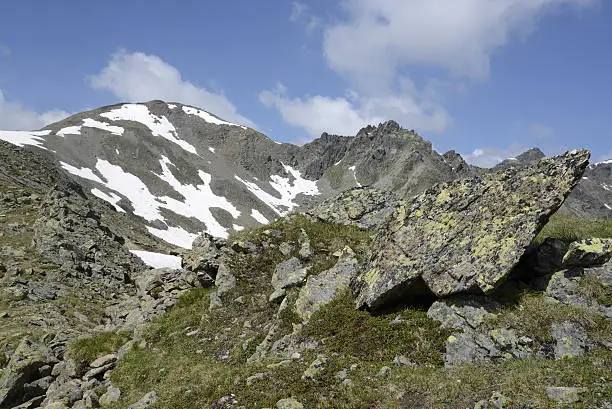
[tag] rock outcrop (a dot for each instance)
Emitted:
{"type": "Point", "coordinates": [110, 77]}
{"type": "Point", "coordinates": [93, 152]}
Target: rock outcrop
{"type": "Point", "coordinates": [467, 235]}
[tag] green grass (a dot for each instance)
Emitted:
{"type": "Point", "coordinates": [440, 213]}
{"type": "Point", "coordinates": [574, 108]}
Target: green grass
{"type": "Point", "coordinates": [569, 229]}
{"type": "Point", "coordinates": [534, 314]}
{"type": "Point", "coordinates": [358, 334]}
{"type": "Point", "coordinates": [84, 350]}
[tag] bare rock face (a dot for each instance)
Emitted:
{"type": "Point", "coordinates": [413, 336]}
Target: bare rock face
{"type": "Point", "coordinates": [467, 235]}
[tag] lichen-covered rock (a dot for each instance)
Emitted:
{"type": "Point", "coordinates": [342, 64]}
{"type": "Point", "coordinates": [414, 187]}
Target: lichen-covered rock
{"type": "Point", "coordinates": [23, 368]}
{"type": "Point", "coordinates": [363, 207]}
{"type": "Point", "coordinates": [565, 287]}
{"type": "Point", "coordinates": [462, 312]}
{"type": "Point", "coordinates": [467, 235]}
{"type": "Point", "coordinates": [289, 403]}
{"type": "Point", "coordinates": [320, 289]}
{"type": "Point", "coordinates": [571, 340]}
{"type": "Point", "coordinates": [289, 273]}
{"type": "Point", "coordinates": [589, 252]}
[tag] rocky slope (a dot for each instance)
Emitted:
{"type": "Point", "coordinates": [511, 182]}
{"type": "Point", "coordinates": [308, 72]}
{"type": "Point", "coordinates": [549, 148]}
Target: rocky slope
{"type": "Point", "coordinates": [267, 318]}
{"type": "Point", "coordinates": [182, 170]}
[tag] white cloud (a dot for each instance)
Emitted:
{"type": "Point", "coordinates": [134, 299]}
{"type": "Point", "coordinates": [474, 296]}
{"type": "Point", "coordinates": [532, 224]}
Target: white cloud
{"type": "Point", "coordinates": [139, 77]}
{"type": "Point", "coordinates": [16, 117]}
{"type": "Point", "coordinates": [459, 36]}
{"type": "Point", "coordinates": [375, 43]}
{"type": "Point", "coordinates": [346, 115]}
{"type": "Point", "coordinates": [489, 157]}
{"type": "Point", "coordinates": [300, 13]}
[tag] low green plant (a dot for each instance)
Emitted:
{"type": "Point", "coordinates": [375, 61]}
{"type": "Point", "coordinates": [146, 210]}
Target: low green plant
{"type": "Point", "coordinates": [569, 229]}
{"type": "Point", "coordinates": [86, 349]}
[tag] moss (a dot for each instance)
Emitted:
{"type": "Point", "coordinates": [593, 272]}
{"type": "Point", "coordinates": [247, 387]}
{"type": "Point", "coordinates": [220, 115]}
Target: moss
{"type": "Point", "coordinates": [84, 350]}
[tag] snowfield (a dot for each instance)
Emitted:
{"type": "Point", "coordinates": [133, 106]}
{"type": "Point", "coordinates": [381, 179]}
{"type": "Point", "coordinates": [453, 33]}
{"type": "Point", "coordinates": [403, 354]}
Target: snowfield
{"type": "Point", "coordinates": [158, 260]}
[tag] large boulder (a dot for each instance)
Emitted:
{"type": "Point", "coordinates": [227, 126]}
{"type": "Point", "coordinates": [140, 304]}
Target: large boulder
{"type": "Point", "coordinates": [467, 235]}
{"type": "Point", "coordinates": [363, 207]}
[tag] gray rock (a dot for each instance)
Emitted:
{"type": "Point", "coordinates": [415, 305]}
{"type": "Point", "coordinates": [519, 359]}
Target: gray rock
{"type": "Point", "coordinates": [225, 280]}
{"type": "Point", "coordinates": [103, 360]}
{"type": "Point", "coordinates": [215, 301]}
{"type": "Point", "coordinates": [463, 312]}
{"type": "Point", "coordinates": [571, 340]}
{"type": "Point", "coordinates": [466, 235]}
{"type": "Point", "coordinates": [305, 251]}
{"type": "Point", "coordinates": [321, 289]}
{"type": "Point", "coordinates": [564, 394]}
{"type": "Point", "coordinates": [289, 273]}
{"type": "Point", "coordinates": [254, 378]}
{"type": "Point", "coordinates": [205, 255]}
{"type": "Point", "coordinates": [402, 360]}
{"type": "Point", "coordinates": [23, 368]}
{"type": "Point", "coordinates": [384, 372]}
{"type": "Point", "coordinates": [589, 252]}
{"type": "Point", "coordinates": [289, 403]}
{"type": "Point", "coordinates": [316, 368]}
{"type": "Point", "coordinates": [146, 401]}
{"type": "Point", "coordinates": [285, 248]}
{"type": "Point", "coordinates": [111, 395]}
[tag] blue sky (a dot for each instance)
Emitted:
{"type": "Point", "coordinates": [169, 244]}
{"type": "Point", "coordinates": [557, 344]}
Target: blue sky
{"type": "Point", "coordinates": [488, 78]}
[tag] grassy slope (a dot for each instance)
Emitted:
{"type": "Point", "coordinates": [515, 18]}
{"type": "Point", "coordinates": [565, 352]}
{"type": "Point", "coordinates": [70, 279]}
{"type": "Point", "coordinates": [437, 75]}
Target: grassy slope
{"type": "Point", "coordinates": [195, 371]}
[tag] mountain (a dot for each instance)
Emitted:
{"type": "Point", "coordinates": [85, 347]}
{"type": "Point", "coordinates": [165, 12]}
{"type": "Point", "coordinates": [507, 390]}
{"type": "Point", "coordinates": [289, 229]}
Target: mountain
{"type": "Point", "coordinates": [181, 170]}
{"type": "Point", "coordinates": [184, 171]}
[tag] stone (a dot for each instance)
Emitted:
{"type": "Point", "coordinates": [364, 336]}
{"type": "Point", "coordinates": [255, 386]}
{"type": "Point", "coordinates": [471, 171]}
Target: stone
{"type": "Point", "coordinates": [363, 207]}
{"type": "Point", "coordinates": [321, 289]}
{"type": "Point", "coordinates": [146, 401]}
{"type": "Point", "coordinates": [289, 273]}
{"type": "Point", "coordinates": [588, 252]}
{"type": "Point", "coordinates": [289, 403]}
{"type": "Point", "coordinates": [23, 368]}
{"type": "Point", "coordinates": [496, 401]}
{"type": "Point", "coordinates": [254, 378]}
{"type": "Point", "coordinates": [571, 340]}
{"type": "Point", "coordinates": [205, 255]}
{"type": "Point", "coordinates": [111, 395]}
{"type": "Point", "coordinates": [285, 248]}
{"type": "Point", "coordinates": [305, 251]}
{"type": "Point", "coordinates": [467, 235]}
{"type": "Point", "coordinates": [215, 301]}
{"type": "Point", "coordinates": [277, 295]}
{"type": "Point", "coordinates": [384, 372]}
{"type": "Point", "coordinates": [463, 312]}
{"type": "Point", "coordinates": [564, 394]}
{"type": "Point", "coordinates": [225, 280]}
{"type": "Point", "coordinates": [316, 368]}
{"type": "Point", "coordinates": [103, 360]}
{"type": "Point", "coordinates": [402, 360]}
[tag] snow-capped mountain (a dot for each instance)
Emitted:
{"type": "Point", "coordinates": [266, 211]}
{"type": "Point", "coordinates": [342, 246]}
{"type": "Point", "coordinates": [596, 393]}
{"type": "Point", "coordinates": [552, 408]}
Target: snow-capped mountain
{"type": "Point", "coordinates": [180, 170]}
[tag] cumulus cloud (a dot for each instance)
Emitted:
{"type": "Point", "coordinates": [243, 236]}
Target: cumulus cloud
{"type": "Point", "coordinates": [489, 157]}
{"type": "Point", "coordinates": [374, 45]}
{"type": "Point", "coordinates": [346, 115]}
{"type": "Point", "coordinates": [300, 13]}
{"type": "Point", "coordinates": [459, 36]}
{"type": "Point", "coordinates": [16, 117]}
{"type": "Point", "coordinates": [138, 77]}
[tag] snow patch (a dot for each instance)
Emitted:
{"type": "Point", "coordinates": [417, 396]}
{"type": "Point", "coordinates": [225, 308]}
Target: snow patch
{"type": "Point", "coordinates": [605, 162]}
{"type": "Point", "coordinates": [352, 169]}
{"type": "Point", "coordinates": [171, 106]}
{"type": "Point", "coordinates": [607, 207]}
{"type": "Point", "coordinates": [237, 227]}
{"type": "Point", "coordinates": [210, 148]}
{"type": "Point", "coordinates": [158, 260]}
{"type": "Point", "coordinates": [159, 125]}
{"type": "Point", "coordinates": [287, 189]}
{"type": "Point", "coordinates": [21, 138]}
{"type": "Point", "coordinates": [259, 217]}
{"type": "Point", "coordinates": [211, 119]}
{"type": "Point", "coordinates": [112, 198]}
{"type": "Point", "coordinates": [91, 123]}
{"type": "Point", "coordinates": [84, 173]}
{"type": "Point", "coordinates": [585, 178]}
{"type": "Point", "coordinates": [69, 130]}
{"type": "Point", "coordinates": [337, 163]}
{"type": "Point", "coordinates": [606, 187]}
{"type": "Point", "coordinates": [174, 235]}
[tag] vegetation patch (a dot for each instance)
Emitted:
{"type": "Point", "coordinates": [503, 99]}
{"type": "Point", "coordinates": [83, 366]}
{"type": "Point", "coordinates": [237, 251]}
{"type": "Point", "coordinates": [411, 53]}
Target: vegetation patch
{"type": "Point", "coordinates": [85, 350]}
{"type": "Point", "coordinates": [570, 229]}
